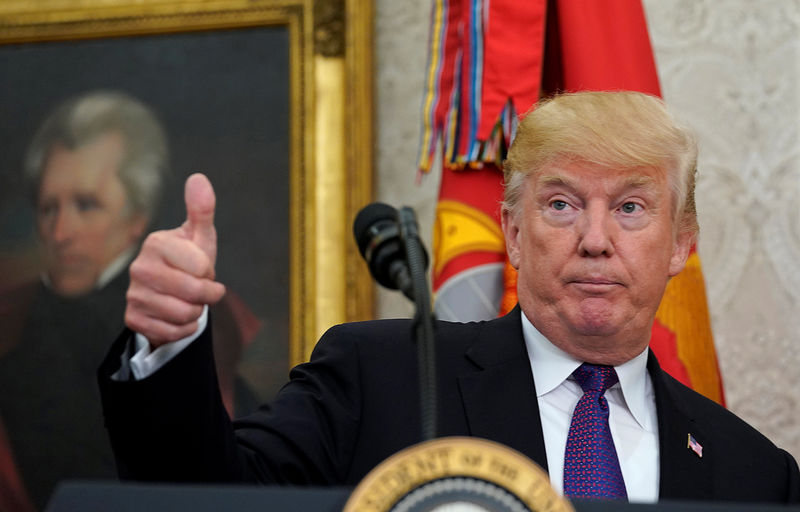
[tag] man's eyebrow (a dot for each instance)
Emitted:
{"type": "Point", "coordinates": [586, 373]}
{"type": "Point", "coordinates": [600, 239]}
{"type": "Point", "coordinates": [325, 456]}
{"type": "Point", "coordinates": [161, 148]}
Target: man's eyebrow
{"type": "Point", "coordinates": [555, 180]}
{"type": "Point", "coordinates": [639, 181]}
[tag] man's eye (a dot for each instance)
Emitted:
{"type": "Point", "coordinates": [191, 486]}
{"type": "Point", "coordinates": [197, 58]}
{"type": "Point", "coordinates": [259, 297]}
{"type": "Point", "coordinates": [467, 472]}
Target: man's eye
{"type": "Point", "coordinates": [629, 207]}
{"type": "Point", "coordinates": [558, 205]}
{"type": "Point", "coordinates": [47, 210]}
{"type": "Point", "coordinates": [86, 203]}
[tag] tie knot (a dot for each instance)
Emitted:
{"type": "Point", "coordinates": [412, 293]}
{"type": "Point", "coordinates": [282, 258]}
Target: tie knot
{"type": "Point", "coordinates": [595, 377]}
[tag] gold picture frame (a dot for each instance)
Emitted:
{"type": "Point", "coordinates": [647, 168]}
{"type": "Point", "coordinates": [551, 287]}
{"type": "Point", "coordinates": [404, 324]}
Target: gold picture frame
{"type": "Point", "coordinates": [330, 112]}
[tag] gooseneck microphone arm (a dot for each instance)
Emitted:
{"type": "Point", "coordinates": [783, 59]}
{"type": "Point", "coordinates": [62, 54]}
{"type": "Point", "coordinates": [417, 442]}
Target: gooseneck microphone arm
{"type": "Point", "coordinates": [389, 242]}
{"type": "Point", "coordinates": [423, 320]}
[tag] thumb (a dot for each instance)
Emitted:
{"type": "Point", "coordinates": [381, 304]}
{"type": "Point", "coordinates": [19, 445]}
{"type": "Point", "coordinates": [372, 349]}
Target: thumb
{"type": "Point", "coordinates": [200, 204]}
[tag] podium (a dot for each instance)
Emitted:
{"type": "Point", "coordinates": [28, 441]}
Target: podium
{"type": "Point", "coordinates": [135, 497]}
{"type": "Point", "coordinates": [130, 497]}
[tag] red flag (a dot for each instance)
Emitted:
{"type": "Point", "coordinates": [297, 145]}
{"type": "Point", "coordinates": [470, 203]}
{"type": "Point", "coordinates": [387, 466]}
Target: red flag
{"type": "Point", "coordinates": [530, 49]}
{"type": "Point", "coordinates": [602, 45]}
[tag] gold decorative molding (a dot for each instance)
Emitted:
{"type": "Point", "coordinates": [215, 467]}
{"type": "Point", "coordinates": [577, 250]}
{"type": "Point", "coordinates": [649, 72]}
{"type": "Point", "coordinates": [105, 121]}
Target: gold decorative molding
{"type": "Point", "coordinates": [329, 28]}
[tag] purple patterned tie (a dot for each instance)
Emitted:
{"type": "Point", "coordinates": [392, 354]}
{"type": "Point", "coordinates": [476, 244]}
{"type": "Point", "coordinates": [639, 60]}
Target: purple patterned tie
{"type": "Point", "coordinates": [591, 466]}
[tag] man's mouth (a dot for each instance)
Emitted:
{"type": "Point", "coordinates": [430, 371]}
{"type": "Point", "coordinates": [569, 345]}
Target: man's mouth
{"type": "Point", "coordinates": [595, 284]}
{"type": "Point", "coordinates": [68, 260]}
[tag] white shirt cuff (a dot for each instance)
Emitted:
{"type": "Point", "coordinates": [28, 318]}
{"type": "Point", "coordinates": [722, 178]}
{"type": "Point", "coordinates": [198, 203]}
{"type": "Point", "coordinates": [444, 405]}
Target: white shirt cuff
{"type": "Point", "coordinates": [146, 362]}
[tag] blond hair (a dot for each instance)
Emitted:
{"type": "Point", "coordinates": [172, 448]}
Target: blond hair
{"type": "Point", "coordinates": [620, 129]}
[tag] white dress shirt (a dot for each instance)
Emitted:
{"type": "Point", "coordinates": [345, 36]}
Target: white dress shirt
{"type": "Point", "coordinates": [632, 413]}
{"type": "Point", "coordinates": [144, 361]}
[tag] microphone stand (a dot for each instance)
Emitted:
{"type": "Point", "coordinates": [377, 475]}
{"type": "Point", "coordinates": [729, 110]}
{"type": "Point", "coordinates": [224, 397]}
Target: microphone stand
{"type": "Point", "coordinates": [423, 320]}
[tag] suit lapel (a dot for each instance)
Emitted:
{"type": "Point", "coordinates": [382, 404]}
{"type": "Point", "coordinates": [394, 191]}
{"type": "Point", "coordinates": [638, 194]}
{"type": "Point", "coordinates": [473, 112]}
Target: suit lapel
{"type": "Point", "coordinates": [684, 474]}
{"type": "Point", "coordinates": [499, 397]}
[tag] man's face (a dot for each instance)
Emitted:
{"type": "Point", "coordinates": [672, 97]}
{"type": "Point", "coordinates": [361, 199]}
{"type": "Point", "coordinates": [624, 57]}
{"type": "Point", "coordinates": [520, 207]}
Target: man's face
{"type": "Point", "coordinates": [594, 249]}
{"type": "Point", "coordinates": [81, 213]}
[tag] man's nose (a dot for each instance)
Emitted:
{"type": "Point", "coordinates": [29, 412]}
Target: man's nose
{"type": "Point", "coordinates": [596, 232]}
{"type": "Point", "coordinates": [63, 227]}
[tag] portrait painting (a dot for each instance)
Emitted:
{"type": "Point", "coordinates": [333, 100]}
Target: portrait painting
{"type": "Point", "coordinates": [233, 92]}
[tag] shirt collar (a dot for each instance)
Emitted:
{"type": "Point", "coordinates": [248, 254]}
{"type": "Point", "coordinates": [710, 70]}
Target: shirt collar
{"type": "Point", "coordinates": [108, 274]}
{"type": "Point", "coordinates": [551, 366]}
{"type": "Point", "coordinates": [115, 267]}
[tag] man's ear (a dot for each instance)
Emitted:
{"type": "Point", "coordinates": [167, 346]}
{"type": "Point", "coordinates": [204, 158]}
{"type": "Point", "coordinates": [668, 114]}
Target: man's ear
{"type": "Point", "coordinates": [680, 252]}
{"type": "Point", "coordinates": [511, 232]}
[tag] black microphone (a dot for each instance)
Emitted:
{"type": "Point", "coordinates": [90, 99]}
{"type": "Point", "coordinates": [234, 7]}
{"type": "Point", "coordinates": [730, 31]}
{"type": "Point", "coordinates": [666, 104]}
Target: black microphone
{"type": "Point", "coordinates": [389, 240]}
{"type": "Point", "coordinates": [379, 240]}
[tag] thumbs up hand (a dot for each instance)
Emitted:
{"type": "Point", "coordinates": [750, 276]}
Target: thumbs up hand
{"type": "Point", "coordinates": [172, 278]}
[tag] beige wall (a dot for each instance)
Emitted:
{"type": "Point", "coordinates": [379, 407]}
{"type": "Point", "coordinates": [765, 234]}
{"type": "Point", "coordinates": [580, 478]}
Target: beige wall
{"type": "Point", "coordinates": [730, 69]}
{"type": "Point", "coordinates": [401, 38]}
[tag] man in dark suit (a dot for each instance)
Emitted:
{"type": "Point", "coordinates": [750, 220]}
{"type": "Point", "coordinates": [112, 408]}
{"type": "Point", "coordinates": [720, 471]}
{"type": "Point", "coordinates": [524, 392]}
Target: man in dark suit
{"type": "Point", "coordinates": [598, 214]}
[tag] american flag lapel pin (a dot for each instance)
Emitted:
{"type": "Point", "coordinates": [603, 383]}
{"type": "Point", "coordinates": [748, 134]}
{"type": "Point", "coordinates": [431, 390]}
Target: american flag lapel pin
{"type": "Point", "coordinates": [696, 447]}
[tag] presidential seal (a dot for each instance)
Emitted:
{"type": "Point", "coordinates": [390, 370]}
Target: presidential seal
{"type": "Point", "coordinates": [457, 474]}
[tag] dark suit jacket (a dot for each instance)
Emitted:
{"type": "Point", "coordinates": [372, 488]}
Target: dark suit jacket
{"type": "Point", "coordinates": [356, 403]}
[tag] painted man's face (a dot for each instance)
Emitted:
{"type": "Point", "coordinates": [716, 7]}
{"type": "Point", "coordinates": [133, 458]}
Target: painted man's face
{"type": "Point", "coordinates": [83, 218]}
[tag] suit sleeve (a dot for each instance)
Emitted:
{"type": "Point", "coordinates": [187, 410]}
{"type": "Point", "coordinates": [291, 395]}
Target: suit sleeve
{"type": "Point", "coordinates": [172, 425]}
{"type": "Point", "coordinates": [308, 434]}
{"type": "Point", "coordinates": [793, 480]}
